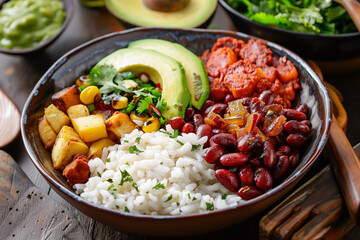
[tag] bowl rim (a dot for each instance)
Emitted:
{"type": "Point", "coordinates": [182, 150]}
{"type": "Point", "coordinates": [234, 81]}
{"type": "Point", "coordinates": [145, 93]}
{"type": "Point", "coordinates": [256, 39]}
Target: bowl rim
{"type": "Point", "coordinates": [288, 181]}
{"type": "Point", "coordinates": [68, 9]}
{"type": "Point", "coordinates": [228, 8]}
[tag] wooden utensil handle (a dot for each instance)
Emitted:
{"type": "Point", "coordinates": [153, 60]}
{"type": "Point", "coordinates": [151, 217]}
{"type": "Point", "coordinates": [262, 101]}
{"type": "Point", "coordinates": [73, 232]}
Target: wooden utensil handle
{"type": "Point", "coordinates": [346, 166]}
{"type": "Point", "coordinates": [353, 8]}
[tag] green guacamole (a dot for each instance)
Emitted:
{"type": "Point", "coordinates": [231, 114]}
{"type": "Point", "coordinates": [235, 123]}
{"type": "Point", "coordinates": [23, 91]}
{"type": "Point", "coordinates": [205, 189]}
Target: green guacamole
{"type": "Point", "coordinates": [26, 23]}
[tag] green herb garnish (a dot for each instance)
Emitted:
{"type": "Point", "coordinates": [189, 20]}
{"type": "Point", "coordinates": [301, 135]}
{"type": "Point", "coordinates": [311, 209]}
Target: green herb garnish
{"type": "Point", "coordinates": [158, 186]}
{"type": "Point", "coordinates": [108, 160]}
{"type": "Point", "coordinates": [137, 140]}
{"type": "Point", "coordinates": [134, 149]}
{"type": "Point", "coordinates": [126, 209]}
{"type": "Point", "coordinates": [181, 143]}
{"type": "Point", "coordinates": [224, 196]}
{"type": "Point", "coordinates": [195, 147]}
{"type": "Point", "coordinates": [126, 141]}
{"type": "Point", "coordinates": [209, 206]}
{"type": "Point", "coordinates": [98, 174]}
{"type": "Point", "coordinates": [110, 187]}
{"type": "Point", "coordinates": [110, 180]}
{"type": "Point", "coordinates": [169, 198]}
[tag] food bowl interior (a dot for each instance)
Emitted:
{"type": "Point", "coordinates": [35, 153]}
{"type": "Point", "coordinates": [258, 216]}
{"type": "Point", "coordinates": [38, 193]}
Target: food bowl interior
{"type": "Point", "coordinates": [80, 60]}
{"type": "Point", "coordinates": [69, 11]}
{"type": "Point", "coordinates": [329, 47]}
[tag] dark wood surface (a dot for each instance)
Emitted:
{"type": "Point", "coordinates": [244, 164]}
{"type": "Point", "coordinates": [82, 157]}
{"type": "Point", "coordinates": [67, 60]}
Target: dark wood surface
{"type": "Point", "coordinates": [19, 74]}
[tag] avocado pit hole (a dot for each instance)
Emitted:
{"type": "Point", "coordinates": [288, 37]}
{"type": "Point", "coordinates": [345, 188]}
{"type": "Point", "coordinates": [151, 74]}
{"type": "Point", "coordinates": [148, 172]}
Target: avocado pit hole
{"type": "Point", "coordinates": [165, 5]}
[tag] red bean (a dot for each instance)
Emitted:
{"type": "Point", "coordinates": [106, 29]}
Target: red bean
{"type": "Point", "coordinates": [296, 127]}
{"type": "Point", "coordinates": [206, 104]}
{"type": "Point", "coordinates": [302, 108]}
{"type": "Point", "coordinates": [198, 120]}
{"type": "Point", "coordinates": [188, 128]}
{"type": "Point", "coordinates": [224, 139]}
{"type": "Point", "coordinates": [246, 174]}
{"type": "Point", "coordinates": [263, 178]}
{"type": "Point", "coordinates": [246, 143]}
{"type": "Point", "coordinates": [296, 140]}
{"type": "Point", "coordinates": [282, 167]}
{"type": "Point", "coordinates": [294, 158]}
{"type": "Point", "coordinates": [218, 131]}
{"type": "Point", "coordinates": [189, 114]}
{"type": "Point", "coordinates": [292, 114]}
{"type": "Point", "coordinates": [306, 122]}
{"type": "Point", "coordinates": [204, 130]}
{"type": "Point", "coordinates": [246, 101]}
{"type": "Point", "coordinates": [233, 159]}
{"type": "Point", "coordinates": [269, 155]}
{"type": "Point", "coordinates": [267, 97]}
{"type": "Point", "coordinates": [217, 108]}
{"type": "Point", "coordinates": [212, 154]}
{"type": "Point", "coordinates": [176, 123]}
{"type": "Point", "coordinates": [249, 192]}
{"type": "Point", "coordinates": [257, 107]}
{"type": "Point", "coordinates": [255, 162]}
{"type": "Point", "coordinates": [284, 150]}
{"type": "Point", "coordinates": [228, 179]}
{"type": "Point", "coordinates": [229, 98]}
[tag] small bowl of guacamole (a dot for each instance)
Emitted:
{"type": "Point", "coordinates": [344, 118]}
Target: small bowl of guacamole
{"type": "Point", "coordinates": [30, 25]}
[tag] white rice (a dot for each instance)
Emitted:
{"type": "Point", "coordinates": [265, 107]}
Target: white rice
{"type": "Point", "coordinates": [185, 182]}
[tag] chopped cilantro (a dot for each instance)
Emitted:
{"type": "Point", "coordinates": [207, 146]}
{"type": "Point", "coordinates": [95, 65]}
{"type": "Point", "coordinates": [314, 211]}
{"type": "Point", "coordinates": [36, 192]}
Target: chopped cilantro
{"type": "Point", "coordinates": [177, 204]}
{"type": "Point", "coordinates": [144, 105]}
{"type": "Point", "coordinates": [161, 163]}
{"type": "Point", "coordinates": [125, 177]}
{"type": "Point", "coordinates": [195, 147]}
{"type": "Point", "coordinates": [181, 143]}
{"type": "Point", "coordinates": [169, 198]}
{"type": "Point", "coordinates": [162, 120]}
{"type": "Point", "coordinates": [127, 163]}
{"type": "Point", "coordinates": [224, 196]}
{"type": "Point", "coordinates": [110, 180]}
{"type": "Point", "coordinates": [117, 206]}
{"type": "Point", "coordinates": [126, 141]}
{"type": "Point", "coordinates": [194, 198]}
{"type": "Point", "coordinates": [134, 149]}
{"type": "Point", "coordinates": [126, 209]}
{"type": "Point", "coordinates": [147, 191]}
{"type": "Point", "coordinates": [137, 140]}
{"type": "Point", "coordinates": [158, 186]}
{"type": "Point", "coordinates": [108, 160]}
{"type": "Point", "coordinates": [112, 193]}
{"type": "Point", "coordinates": [99, 174]}
{"type": "Point", "coordinates": [209, 206]}
{"type": "Point", "coordinates": [111, 186]}
{"type": "Point", "coordinates": [189, 196]}
{"type": "Point", "coordinates": [135, 186]}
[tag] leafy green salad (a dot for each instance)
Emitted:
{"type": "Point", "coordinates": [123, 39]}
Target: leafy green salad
{"type": "Point", "coordinates": [311, 16]}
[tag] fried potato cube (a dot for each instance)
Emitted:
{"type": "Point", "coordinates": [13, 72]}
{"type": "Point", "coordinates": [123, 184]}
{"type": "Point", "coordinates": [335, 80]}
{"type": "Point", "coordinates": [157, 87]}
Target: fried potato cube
{"type": "Point", "coordinates": [119, 124]}
{"type": "Point", "coordinates": [66, 98]}
{"type": "Point", "coordinates": [47, 134]}
{"type": "Point", "coordinates": [56, 118]}
{"type": "Point", "coordinates": [79, 110]}
{"type": "Point", "coordinates": [96, 148]}
{"type": "Point", "coordinates": [66, 145]}
{"type": "Point", "coordinates": [90, 128]}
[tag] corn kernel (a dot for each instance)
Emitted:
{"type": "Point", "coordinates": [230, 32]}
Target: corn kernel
{"type": "Point", "coordinates": [83, 81]}
{"type": "Point", "coordinates": [151, 125]}
{"type": "Point", "coordinates": [119, 102]}
{"type": "Point", "coordinates": [142, 117]}
{"type": "Point", "coordinates": [90, 95]}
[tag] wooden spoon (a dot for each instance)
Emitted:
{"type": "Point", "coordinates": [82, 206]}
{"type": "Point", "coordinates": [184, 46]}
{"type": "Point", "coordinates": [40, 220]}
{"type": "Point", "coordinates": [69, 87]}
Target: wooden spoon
{"type": "Point", "coordinates": [9, 120]}
{"type": "Point", "coordinates": [353, 8]}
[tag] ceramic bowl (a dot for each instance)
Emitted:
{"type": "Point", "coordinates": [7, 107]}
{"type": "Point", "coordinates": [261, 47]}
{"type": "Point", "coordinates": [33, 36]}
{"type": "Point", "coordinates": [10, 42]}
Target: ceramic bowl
{"type": "Point", "coordinates": [81, 59]}
{"type": "Point", "coordinates": [324, 47]}
{"type": "Point", "coordinates": [68, 9]}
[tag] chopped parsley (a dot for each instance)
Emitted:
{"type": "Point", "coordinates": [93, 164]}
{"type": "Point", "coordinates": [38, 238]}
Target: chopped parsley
{"type": "Point", "coordinates": [126, 141]}
{"type": "Point", "coordinates": [224, 196]}
{"type": "Point", "coordinates": [126, 209]}
{"type": "Point", "coordinates": [110, 180]}
{"type": "Point", "coordinates": [161, 163]}
{"type": "Point", "coordinates": [189, 196]}
{"type": "Point", "coordinates": [181, 143]}
{"type": "Point", "coordinates": [158, 186]}
{"type": "Point", "coordinates": [99, 174]}
{"type": "Point", "coordinates": [169, 198]}
{"type": "Point", "coordinates": [177, 204]}
{"type": "Point", "coordinates": [125, 177]}
{"type": "Point", "coordinates": [127, 163]}
{"type": "Point", "coordinates": [110, 187]}
{"type": "Point", "coordinates": [195, 147]}
{"type": "Point", "coordinates": [137, 140]}
{"type": "Point", "coordinates": [194, 198]}
{"type": "Point", "coordinates": [117, 206]}
{"type": "Point", "coordinates": [147, 191]}
{"type": "Point", "coordinates": [134, 149]}
{"type": "Point", "coordinates": [176, 133]}
{"type": "Point", "coordinates": [108, 160]}
{"type": "Point", "coordinates": [209, 206]}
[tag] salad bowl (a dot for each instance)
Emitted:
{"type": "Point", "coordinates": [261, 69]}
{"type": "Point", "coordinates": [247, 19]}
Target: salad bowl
{"type": "Point", "coordinates": [80, 60]}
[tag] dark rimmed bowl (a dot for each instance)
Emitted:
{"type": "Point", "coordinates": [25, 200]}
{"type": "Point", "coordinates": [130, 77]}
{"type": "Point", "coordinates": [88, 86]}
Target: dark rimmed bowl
{"type": "Point", "coordinates": [80, 60]}
{"type": "Point", "coordinates": [323, 47]}
{"type": "Point", "coordinates": [68, 9]}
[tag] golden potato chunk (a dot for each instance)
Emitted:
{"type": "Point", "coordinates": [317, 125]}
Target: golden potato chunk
{"type": "Point", "coordinates": [47, 134]}
{"type": "Point", "coordinates": [90, 128]}
{"type": "Point", "coordinates": [66, 145]}
{"type": "Point", "coordinates": [96, 148]}
{"type": "Point", "coordinates": [56, 118]}
{"type": "Point", "coordinates": [76, 111]}
{"type": "Point", "coordinates": [66, 98]}
{"type": "Point", "coordinates": [119, 124]}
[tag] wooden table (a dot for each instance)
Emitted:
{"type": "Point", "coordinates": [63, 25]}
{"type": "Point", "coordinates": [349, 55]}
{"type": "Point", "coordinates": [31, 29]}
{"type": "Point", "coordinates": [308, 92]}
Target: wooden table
{"type": "Point", "coordinates": [19, 74]}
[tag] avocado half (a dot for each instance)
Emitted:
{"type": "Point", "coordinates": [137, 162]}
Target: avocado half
{"type": "Point", "coordinates": [194, 14]}
{"type": "Point", "coordinates": [196, 75]}
{"type": "Point", "coordinates": [161, 69]}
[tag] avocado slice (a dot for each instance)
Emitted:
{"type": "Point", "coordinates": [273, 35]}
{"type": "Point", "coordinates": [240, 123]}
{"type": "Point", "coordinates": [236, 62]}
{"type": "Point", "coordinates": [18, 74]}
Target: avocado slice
{"type": "Point", "coordinates": [161, 69]}
{"type": "Point", "coordinates": [194, 14]}
{"type": "Point", "coordinates": [196, 75]}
